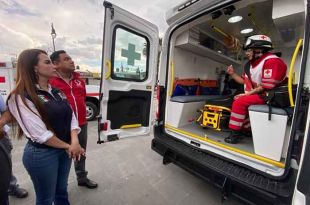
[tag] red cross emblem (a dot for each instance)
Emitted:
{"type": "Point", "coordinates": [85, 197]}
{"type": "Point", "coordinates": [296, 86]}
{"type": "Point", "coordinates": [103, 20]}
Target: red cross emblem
{"type": "Point", "coordinates": [263, 37]}
{"type": "Point", "coordinates": [2, 79]}
{"type": "Point", "coordinates": [267, 73]}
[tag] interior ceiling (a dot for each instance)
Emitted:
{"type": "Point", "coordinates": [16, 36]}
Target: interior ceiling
{"type": "Point", "coordinates": [262, 15]}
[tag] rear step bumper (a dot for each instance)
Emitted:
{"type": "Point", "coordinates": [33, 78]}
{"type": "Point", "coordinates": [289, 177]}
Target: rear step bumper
{"type": "Point", "coordinates": [232, 179]}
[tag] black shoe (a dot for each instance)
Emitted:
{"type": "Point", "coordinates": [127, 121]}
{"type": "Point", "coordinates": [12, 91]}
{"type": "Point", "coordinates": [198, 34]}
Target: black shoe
{"type": "Point", "coordinates": [245, 133]}
{"type": "Point", "coordinates": [19, 193]}
{"type": "Point", "coordinates": [234, 137]}
{"type": "Point", "coordinates": [87, 183]}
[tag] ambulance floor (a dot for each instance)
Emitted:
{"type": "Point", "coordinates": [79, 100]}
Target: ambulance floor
{"type": "Point", "coordinates": [218, 136]}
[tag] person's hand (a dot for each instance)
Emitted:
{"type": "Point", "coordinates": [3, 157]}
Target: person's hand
{"type": "Point", "coordinates": [75, 151]}
{"type": "Point", "coordinates": [240, 95]}
{"type": "Point", "coordinates": [230, 70]}
{"type": "Point", "coordinates": [78, 156]}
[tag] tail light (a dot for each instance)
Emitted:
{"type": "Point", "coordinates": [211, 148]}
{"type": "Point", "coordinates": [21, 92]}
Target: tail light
{"type": "Point", "coordinates": [104, 126]}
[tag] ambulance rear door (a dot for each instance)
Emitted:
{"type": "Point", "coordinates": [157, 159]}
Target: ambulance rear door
{"type": "Point", "coordinates": [130, 50]}
{"type": "Point", "coordinates": [302, 188]}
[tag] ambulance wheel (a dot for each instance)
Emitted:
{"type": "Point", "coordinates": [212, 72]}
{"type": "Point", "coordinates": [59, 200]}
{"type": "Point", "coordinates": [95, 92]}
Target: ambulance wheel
{"type": "Point", "coordinates": [91, 111]}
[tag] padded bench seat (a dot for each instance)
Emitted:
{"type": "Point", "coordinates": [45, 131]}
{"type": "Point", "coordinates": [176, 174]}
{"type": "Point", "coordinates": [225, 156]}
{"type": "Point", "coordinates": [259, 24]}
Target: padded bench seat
{"type": "Point", "coordinates": [197, 98]}
{"type": "Point", "coordinates": [181, 109]}
{"type": "Point", "coordinates": [265, 109]}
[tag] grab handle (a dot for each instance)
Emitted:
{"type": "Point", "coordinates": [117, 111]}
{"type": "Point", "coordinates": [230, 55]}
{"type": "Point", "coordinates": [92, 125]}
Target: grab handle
{"type": "Point", "coordinates": [290, 76]}
{"type": "Point", "coordinates": [108, 73]}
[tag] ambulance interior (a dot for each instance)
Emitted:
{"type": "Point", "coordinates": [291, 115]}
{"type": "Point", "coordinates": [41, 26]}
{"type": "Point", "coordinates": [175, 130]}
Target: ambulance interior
{"type": "Point", "coordinates": [199, 54]}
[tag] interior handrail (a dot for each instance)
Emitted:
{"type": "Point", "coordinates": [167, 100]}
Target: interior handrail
{"type": "Point", "coordinates": [172, 78]}
{"type": "Point", "coordinates": [290, 76]}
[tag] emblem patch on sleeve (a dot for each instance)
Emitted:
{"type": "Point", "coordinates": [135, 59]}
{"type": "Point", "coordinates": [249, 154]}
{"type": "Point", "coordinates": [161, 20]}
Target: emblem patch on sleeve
{"type": "Point", "coordinates": [267, 73]}
{"type": "Point", "coordinates": [77, 82]}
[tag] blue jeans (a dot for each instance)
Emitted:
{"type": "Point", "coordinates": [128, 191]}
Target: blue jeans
{"type": "Point", "coordinates": [49, 170]}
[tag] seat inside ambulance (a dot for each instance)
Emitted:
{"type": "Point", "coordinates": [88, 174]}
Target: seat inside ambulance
{"type": "Point", "coordinates": [199, 54]}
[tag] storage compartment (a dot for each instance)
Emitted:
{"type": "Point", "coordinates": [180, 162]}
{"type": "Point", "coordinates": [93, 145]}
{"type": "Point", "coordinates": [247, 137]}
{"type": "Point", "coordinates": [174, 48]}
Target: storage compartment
{"type": "Point", "coordinates": [181, 114]}
{"type": "Point", "coordinates": [268, 135]}
{"type": "Point", "coordinates": [288, 17]}
{"type": "Point", "coordinates": [203, 45]}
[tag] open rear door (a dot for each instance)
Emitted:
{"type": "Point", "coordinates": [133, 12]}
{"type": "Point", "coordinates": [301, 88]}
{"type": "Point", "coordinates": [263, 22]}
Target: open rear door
{"type": "Point", "coordinates": [130, 50]}
{"type": "Point", "coordinates": [302, 187]}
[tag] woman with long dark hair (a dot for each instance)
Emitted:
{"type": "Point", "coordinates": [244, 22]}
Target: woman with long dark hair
{"type": "Point", "coordinates": [47, 121]}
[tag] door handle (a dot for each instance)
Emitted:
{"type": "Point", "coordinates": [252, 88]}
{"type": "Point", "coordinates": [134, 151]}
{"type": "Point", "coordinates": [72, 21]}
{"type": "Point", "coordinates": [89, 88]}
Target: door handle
{"type": "Point", "coordinates": [108, 73]}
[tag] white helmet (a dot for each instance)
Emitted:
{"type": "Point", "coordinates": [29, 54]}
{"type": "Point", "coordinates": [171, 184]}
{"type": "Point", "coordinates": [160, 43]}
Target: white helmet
{"type": "Point", "coordinates": [258, 41]}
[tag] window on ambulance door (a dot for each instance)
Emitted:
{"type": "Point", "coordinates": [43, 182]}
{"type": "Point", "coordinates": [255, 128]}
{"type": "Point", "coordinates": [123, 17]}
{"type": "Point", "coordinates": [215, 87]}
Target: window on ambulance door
{"type": "Point", "coordinates": [130, 55]}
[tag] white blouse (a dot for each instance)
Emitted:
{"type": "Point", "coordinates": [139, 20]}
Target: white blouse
{"type": "Point", "coordinates": [31, 122]}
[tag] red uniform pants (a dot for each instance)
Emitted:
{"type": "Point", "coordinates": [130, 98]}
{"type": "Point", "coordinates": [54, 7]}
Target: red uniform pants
{"type": "Point", "coordinates": [239, 113]}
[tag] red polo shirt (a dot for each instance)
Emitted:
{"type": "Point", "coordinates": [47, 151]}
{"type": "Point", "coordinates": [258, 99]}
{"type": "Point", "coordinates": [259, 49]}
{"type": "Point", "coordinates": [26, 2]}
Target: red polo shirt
{"type": "Point", "coordinates": [76, 93]}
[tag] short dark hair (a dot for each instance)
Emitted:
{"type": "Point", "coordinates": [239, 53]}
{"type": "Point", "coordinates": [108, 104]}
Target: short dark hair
{"type": "Point", "coordinates": [55, 55]}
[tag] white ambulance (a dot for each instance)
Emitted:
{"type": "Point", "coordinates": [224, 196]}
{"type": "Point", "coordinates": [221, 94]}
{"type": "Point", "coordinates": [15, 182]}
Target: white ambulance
{"type": "Point", "coordinates": [92, 94]}
{"type": "Point", "coordinates": [203, 38]}
{"type": "Point", "coordinates": [92, 101]}
{"type": "Point", "coordinates": [7, 78]}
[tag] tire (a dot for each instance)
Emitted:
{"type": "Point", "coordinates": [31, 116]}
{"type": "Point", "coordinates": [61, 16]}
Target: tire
{"type": "Point", "coordinates": [91, 111]}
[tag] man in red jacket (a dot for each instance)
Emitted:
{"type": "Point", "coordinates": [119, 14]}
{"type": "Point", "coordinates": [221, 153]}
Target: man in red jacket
{"type": "Point", "coordinates": [73, 87]}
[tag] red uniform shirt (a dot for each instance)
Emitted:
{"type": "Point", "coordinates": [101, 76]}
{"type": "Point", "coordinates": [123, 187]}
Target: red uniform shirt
{"type": "Point", "coordinates": [76, 93]}
{"type": "Point", "coordinates": [269, 71]}
{"type": "Point", "coordinates": [274, 73]}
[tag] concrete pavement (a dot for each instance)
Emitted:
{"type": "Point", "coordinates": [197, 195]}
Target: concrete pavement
{"type": "Point", "coordinates": [128, 172]}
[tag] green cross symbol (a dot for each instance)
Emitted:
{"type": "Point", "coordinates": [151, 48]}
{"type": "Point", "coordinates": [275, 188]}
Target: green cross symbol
{"type": "Point", "coordinates": [131, 54]}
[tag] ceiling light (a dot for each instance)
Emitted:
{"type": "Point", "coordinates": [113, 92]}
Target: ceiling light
{"type": "Point", "coordinates": [247, 30]}
{"type": "Point", "coordinates": [235, 19]}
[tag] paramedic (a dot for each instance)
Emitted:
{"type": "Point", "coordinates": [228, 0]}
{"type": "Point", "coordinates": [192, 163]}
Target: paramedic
{"type": "Point", "coordinates": [46, 119]}
{"type": "Point", "coordinates": [14, 189]}
{"type": "Point", "coordinates": [263, 71]}
{"type": "Point", "coordinates": [74, 88]}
